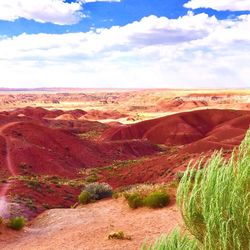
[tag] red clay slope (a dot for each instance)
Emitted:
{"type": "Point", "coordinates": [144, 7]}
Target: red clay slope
{"type": "Point", "coordinates": [215, 129]}
{"type": "Point", "coordinates": [50, 151]}
{"type": "Point", "coordinates": [41, 113]}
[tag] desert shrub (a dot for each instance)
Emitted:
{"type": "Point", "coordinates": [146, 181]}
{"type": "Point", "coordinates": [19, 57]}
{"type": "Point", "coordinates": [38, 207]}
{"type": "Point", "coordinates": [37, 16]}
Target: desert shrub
{"type": "Point", "coordinates": [120, 235]}
{"type": "Point", "coordinates": [98, 191]}
{"type": "Point", "coordinates": [174, 241]}
{"type": "Point", "coordinates": [144, 189]}
{"type": "Point", "coordinates": [154, 196]}
{"type": "Point", "coordinates": [134, 200]}
{"type": "Point", "coordinates": [17, 223]}
{"type": "Point", "coordinates": [115, 195]}
{"type": "Point", "coordinates": [156, 199]}
{"type": "Point", "coordinates": [215, 202]}
{"type": "Point", "coordinates": [84, 197]}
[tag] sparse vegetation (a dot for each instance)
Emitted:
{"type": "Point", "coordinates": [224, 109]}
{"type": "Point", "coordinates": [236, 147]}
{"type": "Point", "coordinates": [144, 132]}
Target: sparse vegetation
{"type": "Point", "coordinates": [174, 241]}
{"type": "Point", "coordinates": [134, 200]}
{"type": "Point", "coordinates": [120, 235]}
{"type": "Point", "coordinates": [17, 223]}
{"type": "Point", "coordinates": [156, 199]}
{"type": "Point", "coordinates": [95, 191]}
{"type": "Point", "coordinates": [98, 191]}
{"type": "Point", "coordinates": [91, 178]}
{"type": "Point", "coordinates": [153, 196]}
{"type": "Point", "coordinates": [84, 197]}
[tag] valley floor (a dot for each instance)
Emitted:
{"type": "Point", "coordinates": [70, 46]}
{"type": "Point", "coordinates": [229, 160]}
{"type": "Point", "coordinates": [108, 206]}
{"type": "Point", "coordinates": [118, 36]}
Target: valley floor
{"type": "Point", "coordinates": [87, 227]}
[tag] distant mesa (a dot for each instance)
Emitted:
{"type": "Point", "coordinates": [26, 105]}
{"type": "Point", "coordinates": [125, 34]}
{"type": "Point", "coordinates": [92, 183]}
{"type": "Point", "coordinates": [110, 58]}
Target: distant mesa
{"type": "Point", "coordinates": [102, 115]}
{"type": "Point", "coordinates": [179, 103]}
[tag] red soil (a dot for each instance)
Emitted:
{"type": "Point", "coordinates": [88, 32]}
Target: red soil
{"type": "Point", "coordinates": [39, 113]}
{"type": "Point", "coordinates": [53, 195]}
{"type": "Point", "coordinates": [56, 152]}
{"type": "Point", "coordinates": [212, 127]}
{"type": "Point", "coordinates": [179, 104]}
{"type": "Point", "coordinates": [67, 117]}
{"type": "Point", "coordinates": [34, 145]}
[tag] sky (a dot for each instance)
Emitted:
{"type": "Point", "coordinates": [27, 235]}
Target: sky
{"type": "Point", "coordinates": [125, 43]}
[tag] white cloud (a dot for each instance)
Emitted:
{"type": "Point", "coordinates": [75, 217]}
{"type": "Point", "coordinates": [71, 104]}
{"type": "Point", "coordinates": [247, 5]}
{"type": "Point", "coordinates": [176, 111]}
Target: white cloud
{"type": "Point", "coordinates": [53, 11]}
{"type": "Point", "coordinates": [233, 5]}
{"type": "Point", "coordinates": [191, 51]}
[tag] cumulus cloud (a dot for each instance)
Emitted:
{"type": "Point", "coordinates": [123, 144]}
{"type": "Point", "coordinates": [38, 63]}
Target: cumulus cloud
{"type": "Point", "coordinates": [191, 51]}
{"type": "Point", "coordinates": [233, 5]}
{"type": "Point", "coordinates": [53, 11]}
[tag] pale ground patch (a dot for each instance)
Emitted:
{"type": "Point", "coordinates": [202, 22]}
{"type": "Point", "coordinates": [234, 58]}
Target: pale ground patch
{"type": "Point", "coordinates": [87, 227]}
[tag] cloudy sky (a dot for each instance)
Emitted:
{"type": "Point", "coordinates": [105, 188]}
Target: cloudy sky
{"type": "Point", "coordinates": [125, 43]}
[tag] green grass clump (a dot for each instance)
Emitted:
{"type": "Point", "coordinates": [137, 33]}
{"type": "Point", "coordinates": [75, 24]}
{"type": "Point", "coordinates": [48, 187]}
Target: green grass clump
{"type": "Point", "coordinates": [153, 196]}
{"type": "Point", "coordinates": [134, 200]}
{"type": "Point", "coordinates": [174, 241]}
{"type": "Point", "coordinates": [156, 199]}
{"type": "Point", "coordinates": [84, 197]}
{"type": "Point", "coordinates": [17, 223]}
{"type": "Point", "coordinates": [215, 205]}
{"type": "Point", "coordinates": [215, 202]}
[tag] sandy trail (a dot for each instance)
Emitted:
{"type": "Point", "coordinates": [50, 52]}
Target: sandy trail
{"type": "Point", "coordinates": [5, 187]}
{"type": "Point", "coordinates": [88, 227]}
{"type": "Point", "coordinates": [7, 143]}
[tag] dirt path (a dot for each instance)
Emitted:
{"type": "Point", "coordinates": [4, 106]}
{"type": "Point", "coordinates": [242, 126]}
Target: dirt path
{"type": "Point", "coordinates": [5, 187]}
{"type": "Point", "coordinates": [7, 143]}
{"type": "Point", "coordinates": [88, 227]}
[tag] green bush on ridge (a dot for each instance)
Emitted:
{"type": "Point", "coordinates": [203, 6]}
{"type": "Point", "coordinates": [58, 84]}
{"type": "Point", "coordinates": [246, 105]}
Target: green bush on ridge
{"type": "Point", "coordinates": [16, 223]}
{"type": "Point", "coordinates": [95, 191]}
{"type": "Point", "coordinates": [84, 197]}
{"type": "Point", "coordinates": [215, 204]}
{"type": "Point", "coordinates": [98, 190]}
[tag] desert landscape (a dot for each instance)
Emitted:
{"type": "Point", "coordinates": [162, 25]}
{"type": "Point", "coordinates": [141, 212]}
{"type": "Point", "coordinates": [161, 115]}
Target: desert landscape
{"type": "Point", "coordinates": [124, 125]}
{"type": "Point", "coordinates": [53, 144]}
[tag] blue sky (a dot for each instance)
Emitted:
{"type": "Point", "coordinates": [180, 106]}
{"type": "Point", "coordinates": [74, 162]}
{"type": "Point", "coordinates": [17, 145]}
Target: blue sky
{"type": "Point", "coordinates": [126, 43]}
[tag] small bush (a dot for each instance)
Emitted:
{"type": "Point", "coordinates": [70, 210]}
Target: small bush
{"type": "Point", "coordinates": [145, 189]}
{"type": "Point", "coordinates": [17, 223]}
{"type": "Point", "coordinates": [156, 199]}
{"type": "Point", "coordinates": [84, 197]}
{"type": "Point", "coordinates": [153, 196]}
{"type": "Point", "coordinates": [134, 200]}
{"type": "Point", "coordinates": [115, 195]}
{"type": "Point", "coordinates": [120, 235]}
{"type": "Point", "coordinates": [99, 191]}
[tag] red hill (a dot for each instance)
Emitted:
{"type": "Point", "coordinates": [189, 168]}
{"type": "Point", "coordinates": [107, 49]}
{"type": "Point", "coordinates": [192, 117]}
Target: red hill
{"type": "Point", "coordinates": [213, 127]}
